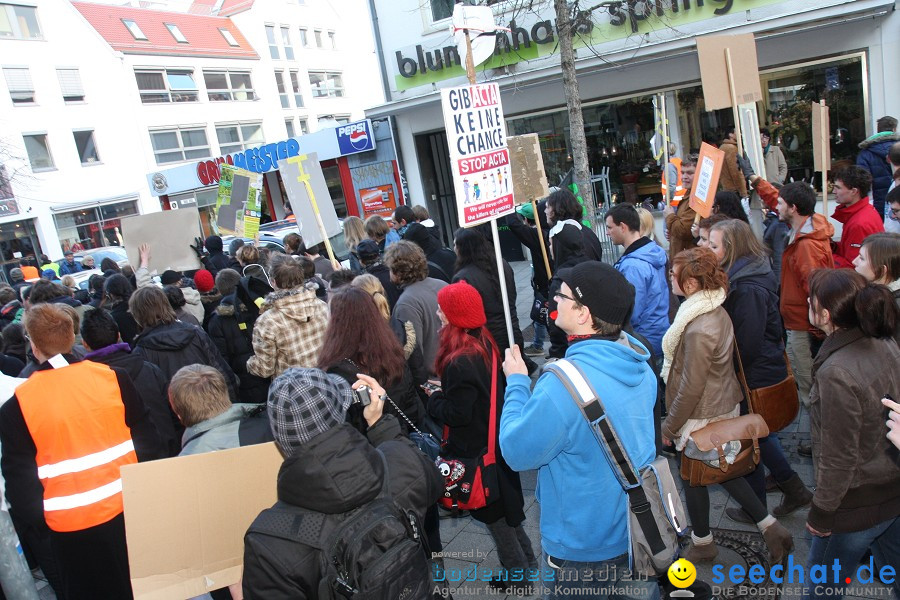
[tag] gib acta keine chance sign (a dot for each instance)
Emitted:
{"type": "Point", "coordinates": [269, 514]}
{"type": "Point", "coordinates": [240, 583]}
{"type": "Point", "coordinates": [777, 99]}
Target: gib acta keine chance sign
{"type": "Point", "coordinates": [476, 134]}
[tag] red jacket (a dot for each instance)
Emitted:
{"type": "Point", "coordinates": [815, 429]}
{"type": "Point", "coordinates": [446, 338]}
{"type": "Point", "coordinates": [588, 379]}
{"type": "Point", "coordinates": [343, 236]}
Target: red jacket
{"type": "Point", "coordinates": [810, 250]}
{"type": "Point", "coordinates": [860, 221]}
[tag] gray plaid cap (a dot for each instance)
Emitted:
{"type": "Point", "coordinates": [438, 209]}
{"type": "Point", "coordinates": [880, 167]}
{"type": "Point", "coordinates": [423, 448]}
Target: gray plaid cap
{"type": "Point", "coordinates": [305, 402]}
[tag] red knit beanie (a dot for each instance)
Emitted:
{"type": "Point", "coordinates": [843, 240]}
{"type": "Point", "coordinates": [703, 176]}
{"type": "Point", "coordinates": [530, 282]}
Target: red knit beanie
{"type": "Point", "coordinates": [204, 281]}
{"type": "Point", "coordinates": [462, 305]}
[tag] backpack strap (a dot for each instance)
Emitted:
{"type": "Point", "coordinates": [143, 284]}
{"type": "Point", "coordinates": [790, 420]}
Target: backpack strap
{"type": "Point", "coordinates": [293, 524]}
{"type": "Point", "coordinates": [491, 456]}
{"type": "Point", "coordinates": [591, 407]}
{"type": "Point", "coordinates": [438, 267]}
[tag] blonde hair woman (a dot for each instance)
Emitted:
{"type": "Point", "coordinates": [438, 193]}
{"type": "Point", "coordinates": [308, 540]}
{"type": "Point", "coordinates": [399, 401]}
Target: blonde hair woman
{"type": "Point", "coordinates": [354, 233]}
{"type": "Point", "coordinates": [648, 225]}
{"type": "Point", "coordinates": [404, 330]}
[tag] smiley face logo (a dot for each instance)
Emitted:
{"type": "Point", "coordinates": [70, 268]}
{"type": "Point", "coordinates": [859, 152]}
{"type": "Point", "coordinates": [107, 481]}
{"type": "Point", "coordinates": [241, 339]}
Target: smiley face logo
{"type": "Point", "coordinates": [682, 573]}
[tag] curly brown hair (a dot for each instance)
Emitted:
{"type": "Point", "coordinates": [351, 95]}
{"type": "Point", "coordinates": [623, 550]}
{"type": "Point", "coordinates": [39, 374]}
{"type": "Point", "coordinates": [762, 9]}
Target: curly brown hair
{"type": "Point", "coordinates": [702, 265]}
{"type": "Point", "coordinates": [407, 262]}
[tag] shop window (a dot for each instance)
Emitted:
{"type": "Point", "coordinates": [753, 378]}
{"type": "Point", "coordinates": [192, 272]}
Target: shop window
{"type": "Point", "coordinates": [228, 85]}
{"type": "Point", "coordinates": [87, 149]}
{"type": "Point", "coordinates": [21, 88]}
{"type": "Point", "coordinates": [175, 145]}
{"type": "Point", "coordinates": [70, 85]}
{"type": "Point", "coordinates": [234, 137]}
{"type": "Point", "coordinates": [17, 240]}
{"type": "Point", "coordinates": [176, 33]}
{"type": "Point", "coordinates": [93, 227]}
{"type": "Point", "coordinates": [282, 89]}
{"type": "Point", "coordinates": [169, 85]}
{"type": "Point", "coordinates": [326, 84]}
{"type": "Point", "coordinates": [304, 37]}
{"type": "Point", "coordinates": [19, 22]}
{"type": "Point", "coordinates": [38, 148]}
{"type": "Point", "coordinates": [286, 43]}
{"type": "Point", "coordinates": [332, 175]}
{"type": "Point", "coordinates": [295, 87]}
{"type": "Point", "coordinates": [273, 44]}
{"type": "Point", "coordinates": [229, 37]}
{"type": "Point", "coordinates": [317, 33]}
{"type": "Point", "coordinates": [289, 126]}
{"type": "Point", "coordinates": [134, 30]}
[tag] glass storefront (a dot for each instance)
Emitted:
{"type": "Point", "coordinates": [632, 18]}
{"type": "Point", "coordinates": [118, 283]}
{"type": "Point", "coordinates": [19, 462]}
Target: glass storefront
{"type": "Point", "coordinates": [93, 227]}
{"type": "Point", "coordinates": [619, 132]}
{"type": "Point", "coordinates": [17, 240]}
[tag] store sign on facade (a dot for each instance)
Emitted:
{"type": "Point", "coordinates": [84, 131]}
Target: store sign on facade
{"type": "Point", "coordinates": [8, 208]}
{"type": "Point", "coordinates": [355, 137]}
{"type": "Point", "coordinates": [256, 160]}
{"type": "Point", "coordinates": [528, 41]}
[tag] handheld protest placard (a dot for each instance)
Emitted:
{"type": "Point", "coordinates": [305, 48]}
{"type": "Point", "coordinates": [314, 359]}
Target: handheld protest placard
{"type": "Point", "coordinates": [169, 233]}
{"type": "Point", "coordinates": [529, 179]}
{"type": "Point", "coordinates": [821, 123]}
{"type": "Point", "coordinates": [185, 518]}
{"type": "Point", "coordinates": [310, 200]}
{"type": "Point", "coordinates": [714, 71]}
{"type": "Point", "coordinates": [706, 179]}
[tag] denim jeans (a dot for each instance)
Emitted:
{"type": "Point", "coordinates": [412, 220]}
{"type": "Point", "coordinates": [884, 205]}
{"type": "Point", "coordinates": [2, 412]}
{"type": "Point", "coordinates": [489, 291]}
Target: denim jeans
{"type": "Point", "coordinates": [601, 580]}
{"type": "Point", "coordinates": [540, 334]}
{"type": "Point", "coordinates": [849, 549]}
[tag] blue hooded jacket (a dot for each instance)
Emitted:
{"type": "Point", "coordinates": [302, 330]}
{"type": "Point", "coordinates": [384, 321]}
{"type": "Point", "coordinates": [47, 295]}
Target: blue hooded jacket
{"type": "Point", "coordinates": [583, 507]}
{"type": "Point", "coordinates": [644, 266]}
{"type": "Point", "coordinates": [871, 157]}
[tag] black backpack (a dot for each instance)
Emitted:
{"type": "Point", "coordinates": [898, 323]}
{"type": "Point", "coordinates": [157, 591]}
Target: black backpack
{"type": "Point", "coordinates": [374, 552]}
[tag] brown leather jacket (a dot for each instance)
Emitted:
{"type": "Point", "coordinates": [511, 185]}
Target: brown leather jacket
{"type": "Point", "coordinates": [857, 468]}
{"type": "Point", "coordinates": [702, 382]}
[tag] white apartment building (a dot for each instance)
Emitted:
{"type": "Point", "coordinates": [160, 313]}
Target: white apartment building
{"type": "Point", "coordinates": [97, 96]}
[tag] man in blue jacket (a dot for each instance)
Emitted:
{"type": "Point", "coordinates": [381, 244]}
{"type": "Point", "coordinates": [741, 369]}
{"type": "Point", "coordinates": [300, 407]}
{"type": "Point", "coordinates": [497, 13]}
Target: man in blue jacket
{"type": "Point", "coordinates": [644, 266]}
{"type": "Point", "coordinates": [584, 511]}
{"type": "Point", "coordinates": [872, 157]}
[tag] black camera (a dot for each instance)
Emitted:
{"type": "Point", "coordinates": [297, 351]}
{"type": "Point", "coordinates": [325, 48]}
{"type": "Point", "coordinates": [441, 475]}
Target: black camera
{"type": "Point", "coordinates": [362, 396]}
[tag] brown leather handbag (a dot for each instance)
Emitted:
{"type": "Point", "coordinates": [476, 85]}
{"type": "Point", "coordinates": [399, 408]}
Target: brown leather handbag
{"type": "Point", "coordinates": [778, 404]}
{"type": "Point", "coordinates": [746, 429]}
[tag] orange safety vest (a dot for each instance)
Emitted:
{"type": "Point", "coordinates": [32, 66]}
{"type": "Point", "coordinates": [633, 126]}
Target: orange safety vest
{"type": "Point", "coordinates": [76, 418]}
{"type": "Point", "coordinates": [679, 187]}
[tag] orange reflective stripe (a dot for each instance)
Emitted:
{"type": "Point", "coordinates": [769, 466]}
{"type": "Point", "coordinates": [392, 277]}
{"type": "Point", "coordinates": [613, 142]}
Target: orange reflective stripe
{"type": "Point", "coordinates": [76, 418]}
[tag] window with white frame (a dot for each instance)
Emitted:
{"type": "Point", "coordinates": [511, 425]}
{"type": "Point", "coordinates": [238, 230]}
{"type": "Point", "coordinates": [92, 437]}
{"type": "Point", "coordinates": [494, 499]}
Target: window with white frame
{"type": "Point", "coordinates": [176, 33]}
{"type": "Point", "coordinates": [234, 137]}
{"type": "Point", "coordinates": [228, 37]}
{"type": "Point", "coordinates": [304, 37]}
{"type": "Point", "coordinates": [87, 148]}
{"type": "Point", "coordinates": [70, 85]}
{"type": "Point", "coordinates": [282, 89]}
{"type": "Point", "coordinates": [326, 84]}
{"type": "Point", "coordinates": [38, 147]}
{"type": "Point", "coordinates": [19, 22]}
{"type": "Point", "coordinates": [317, 33]}
{"type": "Point", "coordinates": [289, 126]}
{"type": "Point", "coordinates": [228, 85]}
{"type": "Point", "coordinates": [286, 43]}
{"type": "Point", "coordinates": [134, 30]}
{"type": "Point", "coordinates": [166, 85]}
{"type": "Point", "coordinates": [332, 40]}
{"type": "Point", "coordinates": [273, 44]}
{"type": "Point", "coordinates": [304, 126]}
{"type": "Point", "coordinates": [342, 119]}
{"type": "Point", "coordinates": [179, 143]}
{"type": "Point", "coordinates": [295, 87]}
{"type": "Point", "coordinates": [21, 88]}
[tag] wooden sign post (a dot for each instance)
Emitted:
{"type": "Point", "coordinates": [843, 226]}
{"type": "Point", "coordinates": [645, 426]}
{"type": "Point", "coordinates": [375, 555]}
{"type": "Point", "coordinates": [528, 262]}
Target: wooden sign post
{"type": "Point", "coordinates": [821, 146]}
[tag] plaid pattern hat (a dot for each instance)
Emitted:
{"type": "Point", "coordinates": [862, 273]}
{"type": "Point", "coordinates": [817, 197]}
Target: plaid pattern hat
{"type": "Point", "coordinates": [305, 402]}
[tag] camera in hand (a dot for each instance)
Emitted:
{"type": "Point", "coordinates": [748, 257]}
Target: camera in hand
{"type": "Point", "coordinates": [362, 396]}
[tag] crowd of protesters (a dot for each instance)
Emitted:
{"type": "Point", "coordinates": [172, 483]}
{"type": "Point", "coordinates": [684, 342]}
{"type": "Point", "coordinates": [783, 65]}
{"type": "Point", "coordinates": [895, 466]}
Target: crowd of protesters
{"type": "Point", "coordinates": [260, 346]}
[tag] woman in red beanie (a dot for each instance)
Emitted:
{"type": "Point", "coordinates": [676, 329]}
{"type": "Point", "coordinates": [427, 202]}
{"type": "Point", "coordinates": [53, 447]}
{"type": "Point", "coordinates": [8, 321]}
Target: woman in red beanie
{"type": "Point", "coordinates": [466, 360]}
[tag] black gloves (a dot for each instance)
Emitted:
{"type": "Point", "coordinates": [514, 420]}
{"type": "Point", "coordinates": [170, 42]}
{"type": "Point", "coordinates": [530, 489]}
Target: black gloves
{"type": "Point", "coordinates": [197, 247]}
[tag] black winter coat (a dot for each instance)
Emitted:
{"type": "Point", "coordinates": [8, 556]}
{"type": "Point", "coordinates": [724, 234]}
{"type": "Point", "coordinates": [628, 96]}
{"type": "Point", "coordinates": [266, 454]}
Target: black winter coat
{"type": "Point", "coordinates": [175, 345]}
{"type": "Point", "coordinates": [568, 252]}
{"type": "Point", "coordinates": [441, 261]}
{"type": "Point", "coordinates": [752, 304]}
{"type": "Point", "coordinates": [335, 473]}
{"type": "Point", "coordinates": [236, 343]}
{"type": "Point", "coordinates": [463, 405]}
{"type": "Point", "coordinates": [489, 288]}
{"type": "Point", "coordinates": [391, 291]}
{"type": "Point", "coordinates": [152, 387]}
{"type": "Point", "coordinates": [528, 236]}
{"type": "Point", "coordinates": [128, 327]}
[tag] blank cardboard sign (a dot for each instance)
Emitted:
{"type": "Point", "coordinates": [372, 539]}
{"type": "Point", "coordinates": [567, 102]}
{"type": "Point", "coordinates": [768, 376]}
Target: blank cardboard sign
{"type": "Point", "coordinates": [170, 234]}
{"type": "Point", "coordinates": [185, 518]}
{"type": "Point", "coordinates": [714, 73]}
{"type": "Point", "coordinates": [821, 123]}
{"type": "Point", "coordinates": [292, 169]}
{"type": "Point", "coordinates": [527, 168]}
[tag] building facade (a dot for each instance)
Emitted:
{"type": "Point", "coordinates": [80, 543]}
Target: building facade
{"type": "Point", "coordinates": [96, 96]}
{"type": "Point", "coordinates": [842, 51]}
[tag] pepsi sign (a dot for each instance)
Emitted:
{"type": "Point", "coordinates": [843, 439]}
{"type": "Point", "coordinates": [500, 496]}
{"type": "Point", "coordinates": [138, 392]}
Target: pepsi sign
{"type": "Point", "coordinates": [355, 137]}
